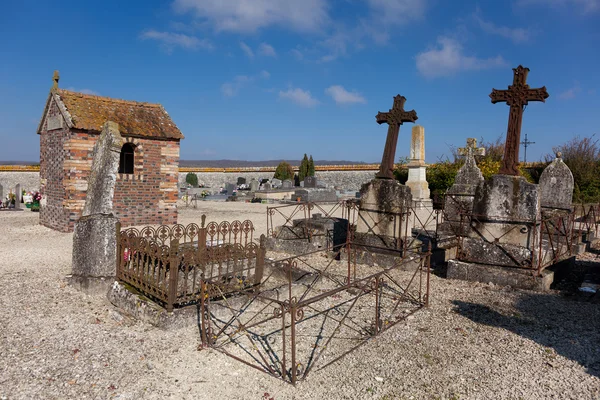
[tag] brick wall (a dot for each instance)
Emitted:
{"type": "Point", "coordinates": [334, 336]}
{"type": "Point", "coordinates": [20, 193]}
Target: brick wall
{"type": "Point", "coordinates": [52, 156]}
{"type": "Point", "coordinates": [146, 197]}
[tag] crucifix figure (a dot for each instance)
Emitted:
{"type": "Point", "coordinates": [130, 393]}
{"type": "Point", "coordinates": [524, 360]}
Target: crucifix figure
{"type": "Point", "coordinates": [517, 96]}
{"type": "Point", "coordinates": [394, 118]}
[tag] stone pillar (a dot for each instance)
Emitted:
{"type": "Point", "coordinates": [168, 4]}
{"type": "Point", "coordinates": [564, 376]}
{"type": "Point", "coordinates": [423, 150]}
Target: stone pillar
{"type": "Point", "coordinates": [18, 196]}
{"type": "Point", "coordinates": [94, 239]}
{"type": "Point", "coordinates": [422, 216]}
{"type": "Point", "coordinates": [417, 181]}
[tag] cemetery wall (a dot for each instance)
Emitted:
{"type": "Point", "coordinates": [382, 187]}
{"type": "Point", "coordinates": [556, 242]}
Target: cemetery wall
{"type": "Point", "coordinates": [350, 180]}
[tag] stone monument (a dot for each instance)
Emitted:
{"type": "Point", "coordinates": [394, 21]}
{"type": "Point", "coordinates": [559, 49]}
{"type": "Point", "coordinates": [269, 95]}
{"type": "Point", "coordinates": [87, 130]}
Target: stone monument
{"type": "Point", "coordinates": [422, 216]}
{"type": "Point", "coordinates": [385, 202]}
{"type": "Point", "coordinates": [556, 186]}
{"type": "Point", "coordinates": [253, 185]}
{"type": "Point", "coordinates": [458, 203]}
{"type": "Point", "coordinates": [503, 238]}
{"type": "Point", "coordinates": [94, 239]}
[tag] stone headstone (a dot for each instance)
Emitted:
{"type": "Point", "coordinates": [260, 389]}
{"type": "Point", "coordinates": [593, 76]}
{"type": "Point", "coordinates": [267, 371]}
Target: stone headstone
{"type": "Point", "coordinates": [287, 184]}
{"type": "Point", "coordinates": [253, 185]}
{"type": "Point", "coordinates": [316, 195]}
{"type": "Point", "coordinates": [102, 178]}
{"type": "Point", "coordinates": [18, 196]}
{"type": "Point", "coordinates": [310, 182]}
{"type": "Point", "coordinates": [276, 183]}
{"type": "Point", "coordinates": [556, 185]}
{"type": "Point", "coordinates": [241, 180]}
{"type": "Point", "coordinates": [94, 239]}
{"type": "Point", "coordinates": [230, 187]}
{"type": "Point", "coordinates": [417, 180]}
{"type": "Point", "coordinates": [384, 205]}
{"type": "Point", "coordinates": [459, 197]}
{"type": "Point", "coordinates": [267, 186]}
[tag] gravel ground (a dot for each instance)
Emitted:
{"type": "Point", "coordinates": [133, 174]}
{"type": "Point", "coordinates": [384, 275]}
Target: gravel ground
{"type": "Point", "coordinates": [475, 341]}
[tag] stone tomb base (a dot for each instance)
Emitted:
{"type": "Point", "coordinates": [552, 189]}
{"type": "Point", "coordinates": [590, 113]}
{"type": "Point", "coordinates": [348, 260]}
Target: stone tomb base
{"type": "Point", "coordinates": [502, 276]}
{"type": "Point", "coordinates": [94, 253]}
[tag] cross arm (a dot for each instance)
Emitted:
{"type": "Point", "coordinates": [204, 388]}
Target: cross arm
{"type": "Point", "coordinates": [539, 94]}
{"type": "Point", "coordinates": [499, 95]}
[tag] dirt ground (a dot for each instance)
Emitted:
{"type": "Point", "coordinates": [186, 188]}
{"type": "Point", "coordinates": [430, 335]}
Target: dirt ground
{"type": "Point", "coordinates": [475, 341]}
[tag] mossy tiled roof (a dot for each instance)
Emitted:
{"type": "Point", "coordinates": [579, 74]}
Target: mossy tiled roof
{"type": "Point", "coordinates": [89, 112]}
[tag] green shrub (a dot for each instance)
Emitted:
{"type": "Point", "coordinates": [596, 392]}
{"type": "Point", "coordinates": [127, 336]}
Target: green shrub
{"type": "Point", "coordinates": [192, 179]}
{"type": "Point", "coordinates": [284, 171]}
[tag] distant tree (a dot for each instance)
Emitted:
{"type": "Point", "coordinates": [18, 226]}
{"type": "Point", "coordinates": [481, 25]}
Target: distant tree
{"type": "Point", "coordinates": [303, 172]}
{"type": "Point", "coordinates": [192, 179]}
{"type": "Point", "coordinates": [311, 167]}
{"type": "Point", "coordinates": [284, 171]}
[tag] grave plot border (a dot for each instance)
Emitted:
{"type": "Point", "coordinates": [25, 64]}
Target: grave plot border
{"type": "Point", "coordinates": [265, 331]}
{"type": "Point", "coordinates": [223, 252]}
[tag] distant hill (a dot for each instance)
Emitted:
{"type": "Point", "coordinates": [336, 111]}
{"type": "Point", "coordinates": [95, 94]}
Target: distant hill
{"type": "Point", "coordinates": [9, 162]}
{"type": "Point", "coordinates": [245, 164]}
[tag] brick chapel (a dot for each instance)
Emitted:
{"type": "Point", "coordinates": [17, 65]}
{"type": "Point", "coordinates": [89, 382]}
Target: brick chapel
{"type": "Point", "coordinates": [146, 188]}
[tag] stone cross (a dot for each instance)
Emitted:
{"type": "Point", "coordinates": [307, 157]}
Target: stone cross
{"type": "Point", "coordinates": [394, 118]}
{"type": "Point", "coordinates": [55, 79]}
{"type": "Point", "coordinates": [103, 175]}
{"type": "Point", "coordinates": [517, 97]}
{"type": "Point", "coordinates": [471, 150]}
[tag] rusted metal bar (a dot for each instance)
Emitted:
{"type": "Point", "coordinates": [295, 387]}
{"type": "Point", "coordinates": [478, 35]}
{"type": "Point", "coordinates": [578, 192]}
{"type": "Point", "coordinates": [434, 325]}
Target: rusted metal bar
{"type": "Point", "coordinates": [173, 274]}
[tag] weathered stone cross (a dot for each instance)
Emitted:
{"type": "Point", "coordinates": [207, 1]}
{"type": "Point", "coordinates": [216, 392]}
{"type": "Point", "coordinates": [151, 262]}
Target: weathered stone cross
{"type": "Point", "coordinates": [471, 150]}
{"type": "Point", "coordinates": [394, 118]}
{"type": "Point", "coordinates": [517, 96]}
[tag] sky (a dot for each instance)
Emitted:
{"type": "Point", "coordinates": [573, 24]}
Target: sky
{"type": "Point", "coordinates": [274, 79]}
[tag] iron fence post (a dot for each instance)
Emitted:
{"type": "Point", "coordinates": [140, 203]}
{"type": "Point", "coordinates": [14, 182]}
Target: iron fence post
{"type": "Point", "coordinates": [119, 251]}
{"type": "Point", "coordinates": [173, 274]}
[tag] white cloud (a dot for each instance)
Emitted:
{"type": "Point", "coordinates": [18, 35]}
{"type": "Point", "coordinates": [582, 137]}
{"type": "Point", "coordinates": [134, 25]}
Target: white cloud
{"type": "Point", "coordinates": [583, 6]}
{"type": "Point", "coordinates": [517, 35]}
{"type": "Point", "coordinates": [385, 14]}
{"type": "Point", "coordinates": [252, 15]}
{"type": "Point", "coordinates": [297, 54]}
{"type": "Point", "coordinates": [397, 12]}
{"type": "Point", "coordinates": [299, 96]}
{"type": "Point", "coordinates": [84, 91]}
{"type": "Point", "coordinates": [266, 49]}
{"type": "Point", "coordinates": [570, 93]}
{"type": "Point", "coordinates": [342, 96]}
{"type": "Point", "coordinates": [246, 49]}
{"type": "Point", "coordinates": [448, 58]}
{"type": "Point", "coordinates": [171, 40]}
{"type": "Point", "coordinates": [231, 89]}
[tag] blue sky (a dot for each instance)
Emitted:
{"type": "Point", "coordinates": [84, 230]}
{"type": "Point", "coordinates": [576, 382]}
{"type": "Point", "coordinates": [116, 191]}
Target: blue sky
{"type": "Point", "coordinates": [270, 79]}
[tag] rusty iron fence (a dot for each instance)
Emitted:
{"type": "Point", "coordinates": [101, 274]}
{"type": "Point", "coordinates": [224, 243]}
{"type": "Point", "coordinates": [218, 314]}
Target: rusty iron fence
{"type": "Point", "coordinates": [311, 309]}
{"type": "Point", "coordinates": [169, 263]}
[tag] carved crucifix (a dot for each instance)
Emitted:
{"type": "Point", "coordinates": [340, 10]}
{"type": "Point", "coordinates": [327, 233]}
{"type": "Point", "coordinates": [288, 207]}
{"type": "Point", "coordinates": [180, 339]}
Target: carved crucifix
{"type": "Point", "coordinates": [394, 118]}
{"type": "Point", "coordinates": [517, 96]}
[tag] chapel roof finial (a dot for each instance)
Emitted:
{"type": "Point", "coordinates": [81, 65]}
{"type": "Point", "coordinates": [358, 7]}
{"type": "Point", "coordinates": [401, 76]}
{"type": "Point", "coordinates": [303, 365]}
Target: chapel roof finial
{"type": "Point", "coordinates": [55, 79]}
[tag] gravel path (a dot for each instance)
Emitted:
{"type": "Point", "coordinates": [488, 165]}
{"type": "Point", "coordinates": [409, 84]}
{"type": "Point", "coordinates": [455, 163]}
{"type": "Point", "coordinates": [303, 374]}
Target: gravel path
{"type": "Point", "coordinates": [476, 341]}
